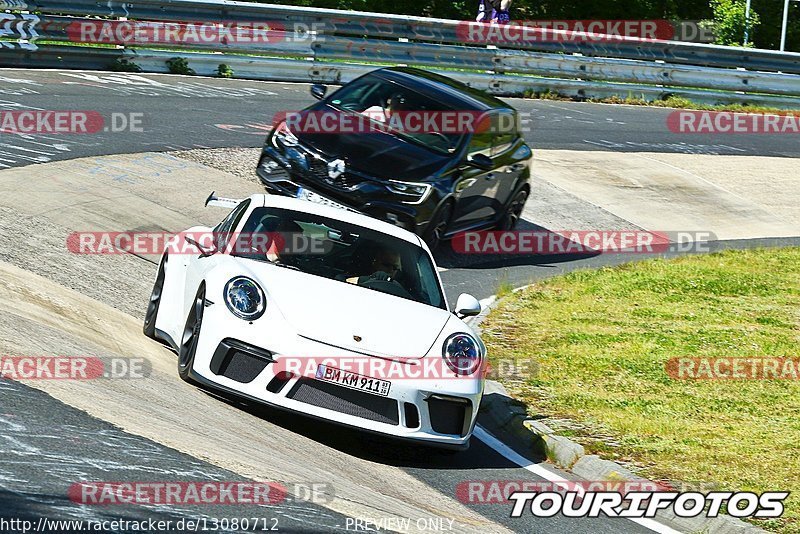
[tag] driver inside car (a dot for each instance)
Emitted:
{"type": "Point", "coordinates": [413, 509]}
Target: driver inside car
{"type": "Point", "coordinates": [385, 266]}
{"type": "Point", "coordinates": [395, 103]}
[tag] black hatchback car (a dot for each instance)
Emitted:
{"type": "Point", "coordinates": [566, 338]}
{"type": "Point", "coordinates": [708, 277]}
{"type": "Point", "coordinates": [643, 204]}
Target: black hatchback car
{"type": "Point", "coordinates": [435, 181]}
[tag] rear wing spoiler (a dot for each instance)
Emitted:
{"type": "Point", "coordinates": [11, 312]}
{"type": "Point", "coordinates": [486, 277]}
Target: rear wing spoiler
{"type": "Point", "coordinates": [221, 202]}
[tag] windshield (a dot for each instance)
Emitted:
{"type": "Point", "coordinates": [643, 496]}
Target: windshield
{"type": "Point", "coordinates": [340, 251]}
{"type": "Point", "coordinates": [381, 100]}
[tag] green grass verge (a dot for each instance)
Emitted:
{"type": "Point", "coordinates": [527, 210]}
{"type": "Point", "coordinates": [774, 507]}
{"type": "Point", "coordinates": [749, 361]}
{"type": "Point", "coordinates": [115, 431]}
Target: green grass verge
{"type": "Point", "coordinates": [601, 340]}
{"type": "Point", "coordinates": [676, 102]}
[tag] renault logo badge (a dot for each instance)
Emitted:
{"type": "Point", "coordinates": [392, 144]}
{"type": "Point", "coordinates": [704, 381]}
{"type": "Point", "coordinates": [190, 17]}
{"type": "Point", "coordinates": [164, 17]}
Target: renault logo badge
{"type": "Point", "coordinates": [336, 168]}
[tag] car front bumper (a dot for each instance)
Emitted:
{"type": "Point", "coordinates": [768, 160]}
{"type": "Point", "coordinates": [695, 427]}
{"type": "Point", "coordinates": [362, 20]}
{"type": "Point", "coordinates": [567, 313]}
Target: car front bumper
{"type": "Point", "coordinates": [280, 176]}
{"type": "Point", "coordinates": [243, 359]}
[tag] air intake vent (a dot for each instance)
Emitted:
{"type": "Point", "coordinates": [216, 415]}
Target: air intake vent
{"type": "Point", "coordinates": [412, 415]}
{"type": "Point", "coordinates": [449, 415]}
{"type": "Point", "coordinates": [281, 379]}
{"type": "Point", "coordinates": [239, 361]}
{"type": "Point", "coordinates": [347, 401]}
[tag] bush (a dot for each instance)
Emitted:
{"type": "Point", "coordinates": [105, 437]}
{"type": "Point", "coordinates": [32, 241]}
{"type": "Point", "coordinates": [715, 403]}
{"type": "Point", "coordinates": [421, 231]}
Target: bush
{"type": "Point", "coordinates": [124, 65]}
{"type": "Point", "coordinates": [224, 71]}
{"type": "Point", "coordinates": [179, 65]}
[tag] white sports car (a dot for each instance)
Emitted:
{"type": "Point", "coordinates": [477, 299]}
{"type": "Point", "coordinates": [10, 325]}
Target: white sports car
{"type": "Point", "coordinates": [321, 311]}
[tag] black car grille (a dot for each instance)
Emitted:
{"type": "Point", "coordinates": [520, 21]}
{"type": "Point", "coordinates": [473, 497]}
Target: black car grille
{"type": "Point", "coordinates": [449, 415]}
{"type": "Point", "coordinates": [239, 361]}
{"type": "Point", "coordinates": [318, 170]}
{"type": "Point", "coordinates": [347, 401]}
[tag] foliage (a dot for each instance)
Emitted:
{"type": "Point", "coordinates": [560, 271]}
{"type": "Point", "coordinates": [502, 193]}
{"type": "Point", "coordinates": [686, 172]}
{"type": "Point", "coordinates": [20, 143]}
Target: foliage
{"type": "Point", "coordinates": [124, 65]}
{"type": "Point", "coordinates": [179, 65]}
{"type": "Point", "coordinates": [224, 71]}
{"type": "Point", "coordinates": [729, 21]}
{"type": "Point", "coordinates": [731, 25]}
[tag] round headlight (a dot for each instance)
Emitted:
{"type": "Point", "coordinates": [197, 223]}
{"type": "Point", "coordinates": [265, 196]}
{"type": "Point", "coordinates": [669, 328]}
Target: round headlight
{"type": "Point", "coordinates": [244, 298]}
{"type": "Point", "coordinates": [462, 353]}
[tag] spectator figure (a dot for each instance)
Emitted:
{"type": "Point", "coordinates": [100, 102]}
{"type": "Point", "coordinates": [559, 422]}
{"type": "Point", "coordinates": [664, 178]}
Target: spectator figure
{"type": "Point", "coordinates": [494, 11]}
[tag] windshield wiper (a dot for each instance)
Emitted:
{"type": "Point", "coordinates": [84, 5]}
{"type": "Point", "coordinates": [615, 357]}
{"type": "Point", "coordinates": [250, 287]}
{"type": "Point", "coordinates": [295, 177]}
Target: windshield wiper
{"type": "Point", "coordinates": [278, 263]}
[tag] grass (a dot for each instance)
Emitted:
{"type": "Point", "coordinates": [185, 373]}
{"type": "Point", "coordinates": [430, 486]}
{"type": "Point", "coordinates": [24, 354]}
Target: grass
{"type": "Point", "coordinates": [601, 340]}
{"type": "Point", "coordinates": [504, 288]}
{"type": "Point", "coordinates": [676, 102]}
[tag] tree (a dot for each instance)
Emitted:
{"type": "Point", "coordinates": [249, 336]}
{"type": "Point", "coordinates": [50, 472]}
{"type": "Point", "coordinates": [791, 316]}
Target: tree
{"type": "Point", "coordinates": [729, 21]}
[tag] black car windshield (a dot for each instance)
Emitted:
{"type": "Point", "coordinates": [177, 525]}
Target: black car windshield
{"type": "Point", "coordinates": [340, 251]}
{"type": "Point", "coordinates": [403, 112]}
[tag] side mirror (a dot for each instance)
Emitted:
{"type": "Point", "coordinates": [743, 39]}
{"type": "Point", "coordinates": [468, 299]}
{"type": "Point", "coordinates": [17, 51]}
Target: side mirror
{"type": "Point", "coordinates": [481, 161]}
{"type": "Point", "coordinates": [467, 306]}
{"type": "Point", "coordinates": [318, 91]}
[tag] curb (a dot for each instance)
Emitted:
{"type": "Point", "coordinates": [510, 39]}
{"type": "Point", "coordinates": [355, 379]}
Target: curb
{"type": "Point", "coordinates": [509, 422]}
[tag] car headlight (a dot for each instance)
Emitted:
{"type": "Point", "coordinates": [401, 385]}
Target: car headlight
{"type": "Point", "coordinates": [245, 299]}
{"type": "Point", "coordinates": [283, 134]}
{"type": "Point", "coordinates": [413, 193]}
{"type": "Point", "coordinates": [462, 353]}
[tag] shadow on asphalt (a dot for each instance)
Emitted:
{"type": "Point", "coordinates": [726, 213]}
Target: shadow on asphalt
{"type": "Point", "coordinates": [397, 453]}
{"type": "Point", "coordinates": [451, 255]}
{"type": "Point", "coordinates": [381, 449]}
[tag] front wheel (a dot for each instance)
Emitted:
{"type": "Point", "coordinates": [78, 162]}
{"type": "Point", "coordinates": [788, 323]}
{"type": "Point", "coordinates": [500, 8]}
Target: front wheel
{"type": "Point", "coordinates": [191, 333]}
{"type": "Point", "coordinates": [149, 327]}
{"type": "Point", "coordinates": [514, 211]}
{"type": "Point", "coordinates": [438, 226]}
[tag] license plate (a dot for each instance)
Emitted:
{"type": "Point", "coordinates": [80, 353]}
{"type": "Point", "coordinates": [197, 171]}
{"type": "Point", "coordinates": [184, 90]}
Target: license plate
{"type": "Point", "coordinates": [350, 380]}
{"type": "Point", "coordinates": [305, 194]}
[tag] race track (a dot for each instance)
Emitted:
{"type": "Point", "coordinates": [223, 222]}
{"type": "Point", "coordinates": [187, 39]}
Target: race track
{"type": "Point", "coordinates": [599, 167]}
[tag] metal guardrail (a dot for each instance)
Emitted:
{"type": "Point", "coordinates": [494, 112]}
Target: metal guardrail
{"type": "Point", "coordinates": [620, 66]}
{"type": "Point", "coordinates": [387, 26]}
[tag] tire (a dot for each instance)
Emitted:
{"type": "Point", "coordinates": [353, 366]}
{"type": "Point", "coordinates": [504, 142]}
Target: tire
{"type": "Point", "coordinates": [191, 333]}
{"type": "Point", "coordinates": [513, 212]}
{"type": "Point", "coordinates": [149, 326]}
{"type": "Point", "coordinates": [438, 226]}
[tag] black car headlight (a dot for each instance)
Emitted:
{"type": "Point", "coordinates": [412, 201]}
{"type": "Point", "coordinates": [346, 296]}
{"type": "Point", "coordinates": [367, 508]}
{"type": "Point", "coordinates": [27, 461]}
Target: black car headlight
{"type": "Point", "coordinates": [410, 192]}
{"type": "Point", "coordinates": [463, 354]}
{"type": "Point", "coordinates": [245, 298]}
{"type": "Point", "coordinates": [284, 135]}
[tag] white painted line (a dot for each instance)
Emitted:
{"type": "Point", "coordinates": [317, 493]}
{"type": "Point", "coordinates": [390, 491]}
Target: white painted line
{"type": "Point", "coordinates": [510, 454]}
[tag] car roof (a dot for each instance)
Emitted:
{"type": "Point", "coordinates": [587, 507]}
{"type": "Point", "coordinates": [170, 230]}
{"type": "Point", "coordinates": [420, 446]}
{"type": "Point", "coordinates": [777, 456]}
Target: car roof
{"type": "Point", "coordinates": [348, 216]}
{"type": "Point", "coordinates": [449, 91]}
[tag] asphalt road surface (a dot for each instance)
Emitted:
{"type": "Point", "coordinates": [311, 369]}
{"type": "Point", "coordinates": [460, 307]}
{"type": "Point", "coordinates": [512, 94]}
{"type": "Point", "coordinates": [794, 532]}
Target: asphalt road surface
{"type": "Point", "coordinates": [175, 113]}
{"type": "Point", "coordinates": [48, 445]}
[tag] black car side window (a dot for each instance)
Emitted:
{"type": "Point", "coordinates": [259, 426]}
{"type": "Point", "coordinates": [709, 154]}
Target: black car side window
{"type": "Point", "coordinates": [481, 143]}
{"type": "Point", "coordinates": [504, 127]}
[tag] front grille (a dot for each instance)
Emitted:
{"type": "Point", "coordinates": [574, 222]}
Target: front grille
{"type": "Point", "coordinates": [412, 415]}
{"type": "Point", "coordinates": [347, 401]}
{"type": "Point", "coordinates": [318, 169]}
{"type": "Point", "coordinates": [239, 361]}
{"type": "Point", "coordinates": [449, 415]}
